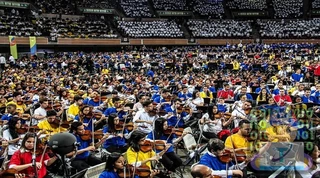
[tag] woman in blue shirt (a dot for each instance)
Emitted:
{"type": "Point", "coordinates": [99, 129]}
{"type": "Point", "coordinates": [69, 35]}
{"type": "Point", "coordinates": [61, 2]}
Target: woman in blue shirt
{"type": "Point", "coordinates": [85, 116]}
{"type": "Point", "coordinates": [117, 139]}
{"type": "Point", "coordinates": [114, 163]}
{"type": "Point", "coordinates": [169, 160]}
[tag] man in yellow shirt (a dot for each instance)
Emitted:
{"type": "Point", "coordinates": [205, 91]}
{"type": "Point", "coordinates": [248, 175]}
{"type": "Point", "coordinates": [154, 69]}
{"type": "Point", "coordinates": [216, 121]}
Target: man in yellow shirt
{"type": "Point", "coordinates": [17, 100]}
{"type": "Point", "coordinates": [48, 126]}
{"type": "Point", "coordinates": [74, 109]}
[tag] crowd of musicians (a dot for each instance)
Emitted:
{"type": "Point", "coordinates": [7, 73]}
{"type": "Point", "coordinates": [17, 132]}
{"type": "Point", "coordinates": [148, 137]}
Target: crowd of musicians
{"type": "Point", "coordinates": [139, 115]}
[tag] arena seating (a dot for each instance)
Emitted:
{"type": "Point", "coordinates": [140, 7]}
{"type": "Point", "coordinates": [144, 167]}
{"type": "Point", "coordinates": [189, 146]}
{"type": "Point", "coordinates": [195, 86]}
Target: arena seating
{"type": "Point", "coordinates": [315, 4]}
{"type": "Point", "coordinates": [247, 4]}
{"type": "Point", "coordinates": [218, 28]}
{"type": "Point", "coordinates": [170, 4]}
{"type": "Point", "coordinates": [103, 4]}
{"type": "Point", "coordinates": [136, 8]}
{"type": "Point", "coordinates": [205, 7]}
{"type": "Point", "coordinates": [55, 6]}
{"type": "Point", "coordinates": [157, 28]}
{"type": "Point", "coordinates": [288, 8]}
{"type": "Point", "coordinates": [289, 28]}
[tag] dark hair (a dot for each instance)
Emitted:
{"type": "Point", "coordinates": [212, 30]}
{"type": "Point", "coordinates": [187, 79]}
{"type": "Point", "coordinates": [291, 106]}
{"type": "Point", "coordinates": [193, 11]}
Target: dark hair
{"type": "Point", "coordinates": [215, 145]}
{"type": "Point", "coordinates": [210, 111]}
{"type": "Point", "coordinates": [77, 98]}
{"type": "Point", "coordinates": [113, 157]}
{"type": "Point", "coordinates": [194, 94]}
{"type": "Point", "coordinates": [42, 100]}
{"type": "Point", "coordinates": [135, 137]}
{"type": "Point", "coordinates": [158, 128]}
{"type": "Point", "coordinates": [244, 121]}
{"type": "Point", "coordinates": [51, 113]}
{"type": "Point", "coordinates": [74, 126]}
{"type": "Point", "coordinates": [12, 127]}
{"type": "Point", "coordinates": [316, 175]}
{"type": "Point", "coordinates": [26, 137]}
{"type": "Point", "coordinates": [111, 125]}
{"type": "Point", "coordinates": [146, 103]}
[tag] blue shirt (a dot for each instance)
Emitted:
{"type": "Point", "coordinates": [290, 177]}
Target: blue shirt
{"type": "Point", "coordinates": [86, 121]}
{"type": "Point", "coordinates": [6, 117]}
{"type": "Point", "coordinates": [172, 121]}
{"type": "Point", "coordinates": [115, 141]}
{"type": "Point", "coordinates": [297, 77]}
{"type": "Point", "coordinates": [164, 137]}
{"type": "Point", "coordinates": [109, 174]}
{"type": "Point", "coordinates": [83, 145]}
{"type": "Point", "coordinates": [214, 163]}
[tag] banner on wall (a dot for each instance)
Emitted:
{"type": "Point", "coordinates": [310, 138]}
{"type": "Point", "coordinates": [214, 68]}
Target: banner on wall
{"type": "Point", "coordinates": [13, 46]}
{"type": "Point", "coordinates": [33, 45]}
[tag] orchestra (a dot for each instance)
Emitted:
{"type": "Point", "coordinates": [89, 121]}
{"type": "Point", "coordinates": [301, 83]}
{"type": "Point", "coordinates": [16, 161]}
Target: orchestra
{"type": "Point", "coordinates": [141, 122]}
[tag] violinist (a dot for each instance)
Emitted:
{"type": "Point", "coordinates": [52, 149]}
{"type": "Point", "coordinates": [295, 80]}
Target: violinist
{"type": "Point", "coordinates": [22, 158]}
{"type": "Point", "coordinates": [240, 113]}
{"type": "Point", "coordinates": [174, 118]}
{"type": "Point", "coordinates": [144, 119]}
{"type": "Point", "coordinates": [161, 100]}
{"type": "Point", "coordinates": [74, 109]}
{"type": "Point", "coordinates": [11, 111]}
{"type": "Point", "coordinates": [51, 125]}
{"type": "Point", "coordinates": [21, 108]}
{"type": "Point", "coordinates": [118, 134]}
{"type": "Point", "coordinates": [86, 117]}
{"type": "Point", "coordinates": [40, 113]}
{"type": "Point", "coordinates": [138, 106]}
{"type": "Point", "coordinates": [136, 157]}
{"type": "Point", "coordinates": [84, 159]}
{"type": "Point", "coordinates": [114, 164]}
{"type": "Point", "coordinates": [118, 108]}
{"type": "Point", "coordinates": [170, 160]}
{"type": "Point", "coordinates": [93, 99]}
{"type": "Point", "coordinates": [214, 159]}
{"type": "Point", "coordinates": [213, 122]}
{"type": "Point", "coordinates": [11, 134]}
{"type": "Point", "coordinates": [308, 165]}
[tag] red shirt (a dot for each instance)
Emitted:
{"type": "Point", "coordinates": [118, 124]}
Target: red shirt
{"type": "Point", "coordinates": [225, 94]}
{"type": "Point", "coordinates": [285, 98]}
{"type": "Point", "coordinates": [19, 158]}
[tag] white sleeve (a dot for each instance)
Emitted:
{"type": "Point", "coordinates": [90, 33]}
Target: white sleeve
{"type": "Point", "coordinates": [136, 117]}
{"type": "Point", "coordinates": [221, 173]}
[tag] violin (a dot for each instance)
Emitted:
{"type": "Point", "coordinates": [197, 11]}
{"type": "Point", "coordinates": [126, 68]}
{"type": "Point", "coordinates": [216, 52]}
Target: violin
{"type": "Point", "coordinates": [155, 112]}
{"type": "Point", "coordinates": [148, 145]}
{"type": "Point", "coordinates": [221, 114]}
{"type": "Point", "coordinates": [25, 117]}
{"type": "Point", "coordinates": [129, 126]}
{"type": "Point", "coordinates": [185, 109]}
{"type": "Point", "coordinates": [57, 106]}
{"type": "Point", "coordinates": [55, 123]}
{"type": "Point", "coordinates": [141, 171]}
{"type": "Point", "coordinates": [96, 99]}
{"type": "Point", "coordinates": [24, 102]}
{"type": "Point", "coordinates": [87, 135]}
{"type": "Point", "coordinates": [228, 156]}
{"type": "Point", "coordinates": [9, 173]}
{"type": "Point", "coordinates": [177, 131]}
{"type": "Point", "coordinates": [65, 124]}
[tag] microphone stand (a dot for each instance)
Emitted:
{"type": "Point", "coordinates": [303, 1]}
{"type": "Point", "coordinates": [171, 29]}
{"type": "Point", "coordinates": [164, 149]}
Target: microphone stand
{"type": "Point", "coordinates": [34, 164]}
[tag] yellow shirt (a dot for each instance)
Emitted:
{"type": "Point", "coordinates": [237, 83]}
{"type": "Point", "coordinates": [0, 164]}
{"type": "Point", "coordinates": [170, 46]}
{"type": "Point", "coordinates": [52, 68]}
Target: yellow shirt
{"type": "Point", "coordinates": [275, 130]}
{"type": "Point", "coordinates": [73, 111]}
{"type": "Point", "coordinates": [133, 156]}
{"type": "Point", "coordinates": [238, 142]}
{"type": "Point", "coordinates": [19, 108]}
{"type": "Point", "coordinates": [236, 65]}
{"type": "Point", "coordinates": [105, 71]}
{"type": "Point", "coordinates": [44, 125]}
{"type": "Point", "coordinates": [204, 95]}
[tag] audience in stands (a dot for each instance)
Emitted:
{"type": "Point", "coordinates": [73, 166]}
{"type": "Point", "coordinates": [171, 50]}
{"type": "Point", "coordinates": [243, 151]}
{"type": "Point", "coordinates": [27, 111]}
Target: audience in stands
{"type": "Point", "coordinates": [158, 28]}
{"type": "Point", "coordinates": [170, 4]}
{"type": "Point", "coordinates": [289, 28]}
{"type": "Point", "coordinates": [218, 28]}
{"type": "Point", "coordinates": [136, 8]}
{"type": "Point", "coordinates": [17, 26]}
{"type": "Point", "coordinates": [84, 28]}
{"type": "Point", "coordinates": [247, 4]}
{"type": "Point", "coordinates": [288, 8]}
{"type": "Point", "coordinates": [205, 7]}
{"type": "Point", "coordinates": [56, 6]}
{"type": "Point", "coordinates": [315, 4]}
{"type": "Point", "coordinates": [100, 4]}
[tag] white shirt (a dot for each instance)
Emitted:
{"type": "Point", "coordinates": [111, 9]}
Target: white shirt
{"type": "Point", "coordinates": [304, 170]}
{"type": "Point", "coordinates": [143, 115]}
{"type": "Point", "coordinates": [238, 113]}
{"type": "Point", "coordinates": [13, 146]}
{"type": "Point", "coordinates": [41, 112]}
{"type": "Point", "coordinates": [2, 60]}
{"type": "Point", "coordinates": [211, 127]}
